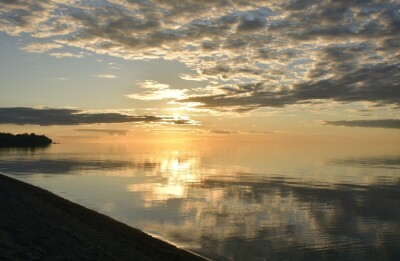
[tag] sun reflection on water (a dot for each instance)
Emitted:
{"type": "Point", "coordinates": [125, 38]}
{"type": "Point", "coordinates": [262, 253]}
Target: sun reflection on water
{"type": "Point", "coordinates": [177, 171]}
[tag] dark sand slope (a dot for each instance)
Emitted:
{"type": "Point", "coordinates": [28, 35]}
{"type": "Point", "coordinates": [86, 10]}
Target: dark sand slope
{"type": "Point", "coordinates": [36, 224]}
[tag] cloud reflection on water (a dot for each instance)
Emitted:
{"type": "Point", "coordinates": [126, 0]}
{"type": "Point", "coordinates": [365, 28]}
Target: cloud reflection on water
{"type": "Point", "coordinates": [274, 217]}
{"type": "Point", "coordinates": [377, 162]}
{"type": "Point", "coordinates": [244, 215]}
{"type": "Point", "coordinates": [68, 166]}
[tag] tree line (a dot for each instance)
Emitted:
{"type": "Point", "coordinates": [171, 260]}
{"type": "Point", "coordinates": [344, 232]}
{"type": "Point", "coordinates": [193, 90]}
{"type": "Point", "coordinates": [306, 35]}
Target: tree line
{"type": "Point", "coordinates": [24, 140]}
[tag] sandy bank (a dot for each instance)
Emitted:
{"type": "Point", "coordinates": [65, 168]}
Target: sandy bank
{"type": "Point", "coordinates": [36, 224]}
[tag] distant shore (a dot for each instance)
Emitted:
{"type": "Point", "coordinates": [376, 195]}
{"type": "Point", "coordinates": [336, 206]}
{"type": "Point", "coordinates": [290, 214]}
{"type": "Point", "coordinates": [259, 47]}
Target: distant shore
{"type": "Point", "coordinates": [36, 224]}
{"type": "Point", "coordinates": [24, 140]}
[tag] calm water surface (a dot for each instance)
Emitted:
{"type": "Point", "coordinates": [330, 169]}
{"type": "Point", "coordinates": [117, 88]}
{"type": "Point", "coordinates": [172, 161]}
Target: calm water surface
{"type": "Point", "coordinates": [235, 201]}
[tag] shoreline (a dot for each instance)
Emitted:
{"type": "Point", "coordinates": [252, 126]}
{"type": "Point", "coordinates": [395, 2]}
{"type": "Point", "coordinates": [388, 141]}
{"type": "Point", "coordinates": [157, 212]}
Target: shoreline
{"type": "Point", "coordinates": [37, 224]}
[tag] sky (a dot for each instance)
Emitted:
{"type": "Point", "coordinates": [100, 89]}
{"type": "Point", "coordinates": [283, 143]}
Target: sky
{"type": "Point", "coordinates": [279, 70]}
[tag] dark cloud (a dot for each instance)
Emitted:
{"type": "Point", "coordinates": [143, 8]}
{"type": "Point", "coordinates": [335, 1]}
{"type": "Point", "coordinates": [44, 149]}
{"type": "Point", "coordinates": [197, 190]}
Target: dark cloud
{"type": "Point", "coordinates": [328, 19]}
{"type": "Point", "coordinates": [223, 132]}
{"type": "Point", "coordinates": [109, 131]}
{"type": "Point", "coordinates": [378, 83]}
{"type": "Point", "coordinates": [251, 21]}
{"type": "Point", "coordinates": [382, 123]}
{"type": "Point", "coordinates": [235, 43]}
{"type": "Point", "coordinates": [50, 116]}
{"type": "Point", "coordinates": [226, 132]}
{"type": "Point", "coordinates": [375, 83]}
{"type": "Point", "coordinates": [260, 132]}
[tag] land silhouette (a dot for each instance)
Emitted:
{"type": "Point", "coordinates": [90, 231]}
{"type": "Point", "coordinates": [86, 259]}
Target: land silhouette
{"type": "Point", "coordinates": [24, 140]}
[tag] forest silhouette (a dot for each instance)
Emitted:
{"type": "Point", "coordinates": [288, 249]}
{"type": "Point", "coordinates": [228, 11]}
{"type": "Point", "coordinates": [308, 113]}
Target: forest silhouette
{"type": "Point", "coordinates": [24, 140]}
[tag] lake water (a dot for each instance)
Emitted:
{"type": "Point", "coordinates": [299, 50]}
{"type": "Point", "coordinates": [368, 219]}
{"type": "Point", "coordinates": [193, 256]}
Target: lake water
{"type": "Point", "coordinates": [234, 200]}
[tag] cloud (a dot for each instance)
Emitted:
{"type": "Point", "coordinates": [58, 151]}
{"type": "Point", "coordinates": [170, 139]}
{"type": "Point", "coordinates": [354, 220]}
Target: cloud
{"type": "Point", "coordinates": [190, 77]}
{"type": "Point", "coordinates": [107, 76]}
{"type": "Point", "coordinates": [51, 116]}
{"type": "Point", "coordinates": [226, 132]}
{"type": "Point", "coordinates": [376, 83]}
{"type": "Point", "coordinates": [222, 132]}
{"type": "Point", "coordinates": [64, 55]}
{"type": "Point", "coordinates": [157, 91]}
{"type": "Point", "coordinates": [260, 132]}
{"type": "Point", "coordinates": [291, 52]}
{"type": "Point", "coordinates": [381, 123]}
{"type": "Point", "coordinates": [41, 47]}
{"type": "Point", "coordinates": [253, 20]}
{"type": "Point", "coordinates": [109, 131]}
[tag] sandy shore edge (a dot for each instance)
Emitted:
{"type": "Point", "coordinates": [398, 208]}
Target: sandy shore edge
{"type": "Point", "coordinates": [36, 224]}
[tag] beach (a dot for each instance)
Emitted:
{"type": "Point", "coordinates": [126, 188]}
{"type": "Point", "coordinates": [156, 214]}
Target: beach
{"type": "Point", "coordinates": [38, 225]}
